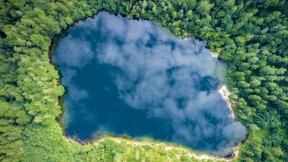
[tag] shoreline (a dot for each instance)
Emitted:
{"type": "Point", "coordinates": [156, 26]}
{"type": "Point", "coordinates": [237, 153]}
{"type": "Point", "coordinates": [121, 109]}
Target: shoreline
{"type": "Point", "coordinates": [167, 147]}
{"type": "Point", "coordinates": [214, 54]}
{"type": "Point", "coordinates": [225, 96]}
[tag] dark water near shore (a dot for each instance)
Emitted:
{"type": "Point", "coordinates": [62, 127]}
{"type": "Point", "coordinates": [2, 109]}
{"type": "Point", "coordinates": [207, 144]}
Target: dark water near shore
{"type": "Point", "coordinates": [129, 77]}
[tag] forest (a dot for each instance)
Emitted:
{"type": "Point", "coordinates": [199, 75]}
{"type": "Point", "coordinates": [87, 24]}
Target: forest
{"type": "Point", "coordinates": [249, 36]}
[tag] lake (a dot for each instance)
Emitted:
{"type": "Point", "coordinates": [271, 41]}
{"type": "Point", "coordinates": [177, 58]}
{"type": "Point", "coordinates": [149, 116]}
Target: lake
{"type": "Point", "coordinates": [129, 77]}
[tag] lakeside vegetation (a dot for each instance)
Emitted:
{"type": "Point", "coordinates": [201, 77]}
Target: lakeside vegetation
{"type": "Point", "coordinates": [249, 36]}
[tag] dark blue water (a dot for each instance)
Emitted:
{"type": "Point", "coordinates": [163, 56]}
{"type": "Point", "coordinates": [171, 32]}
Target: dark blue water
{"type": "Point", "coordinates": [129, 77]}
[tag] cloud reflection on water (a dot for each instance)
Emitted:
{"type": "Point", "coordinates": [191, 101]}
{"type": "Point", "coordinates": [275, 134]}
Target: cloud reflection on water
{"type": "Point", "coordinates": [160, 74]}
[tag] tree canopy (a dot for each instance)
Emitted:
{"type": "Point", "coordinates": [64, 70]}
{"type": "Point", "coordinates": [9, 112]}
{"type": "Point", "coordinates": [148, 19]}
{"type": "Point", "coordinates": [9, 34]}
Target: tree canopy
{"type": "Point", "coordinates": [250, 37]}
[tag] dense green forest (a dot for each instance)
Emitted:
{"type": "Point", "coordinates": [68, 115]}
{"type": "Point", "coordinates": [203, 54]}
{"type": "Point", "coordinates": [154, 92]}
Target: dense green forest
{"type": "Point", "coordinates": [250, 37]}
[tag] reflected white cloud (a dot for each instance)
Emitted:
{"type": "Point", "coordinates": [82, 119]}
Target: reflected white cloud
{"type": "Point", "coordinates": [159, 73]}
{"type": "Point", "coordinates": [77, 55]}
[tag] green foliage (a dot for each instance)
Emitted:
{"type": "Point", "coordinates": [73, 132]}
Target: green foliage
{"type": "Point", "coordinates": [250, 36]}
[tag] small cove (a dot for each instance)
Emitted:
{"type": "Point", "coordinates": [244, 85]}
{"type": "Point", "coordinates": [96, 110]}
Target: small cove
{"type": "Point", "coordinates": [129, 77]}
